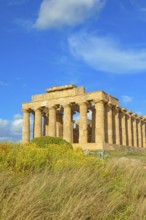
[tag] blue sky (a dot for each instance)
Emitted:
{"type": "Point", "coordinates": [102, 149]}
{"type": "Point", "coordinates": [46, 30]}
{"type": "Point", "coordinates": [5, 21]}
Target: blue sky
{"type": "Point", "coordinates": [99, 44]}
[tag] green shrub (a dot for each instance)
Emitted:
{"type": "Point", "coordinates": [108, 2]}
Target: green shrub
{"type": "Point", "coordinates": [45, 141]}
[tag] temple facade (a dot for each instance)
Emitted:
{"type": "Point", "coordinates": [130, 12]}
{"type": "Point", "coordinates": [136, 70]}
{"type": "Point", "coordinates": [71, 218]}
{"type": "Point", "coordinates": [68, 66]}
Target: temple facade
{"type": "Point", "coordinates": [91, 120]}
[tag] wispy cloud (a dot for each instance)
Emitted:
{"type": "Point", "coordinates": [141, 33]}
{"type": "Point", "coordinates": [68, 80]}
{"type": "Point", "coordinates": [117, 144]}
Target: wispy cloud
{"type": "Point", "coordinates": [107, 55]}
{"type": "Point", "coordinates": [126, 99]}
{"type": "Point", "coordinates": [17, 2]}
{"type": "Point", "coordinates": [54, 13]}
{"type": "Point", "coordinates": [2, 83]}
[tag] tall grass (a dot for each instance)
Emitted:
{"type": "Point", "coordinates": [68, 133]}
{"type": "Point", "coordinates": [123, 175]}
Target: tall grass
{"type": "Point", "coordinates": [75, 194]}
{"type": "Point", "coordinates": [84, 191]}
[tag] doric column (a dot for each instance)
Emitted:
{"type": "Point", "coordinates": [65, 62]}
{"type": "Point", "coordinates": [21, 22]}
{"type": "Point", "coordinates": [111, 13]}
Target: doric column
{"type": "Point", "coordinates": [52, 121]}
{"type": "Point", "coordinates": [33, 124]}
{"type": "Point", "coordinates": [93, 125]}
{"type": "Point", "coordinates": [129, 121]}
{"type": "Point", "coordinates": [135, 130]}
{"type": "Point", "coordinates": [45, 127]}
{"type": "Point", "coordinates": [123, 124]}
{"type": "Point", "coordinates": [59, 124]}
{"type": "Point", "coordinates": [38, 123]}
{"type": "Point", "coordinates": [140, 144]}
{"type": "Point", "coordinates": [83, 124]}
{"type": "Point", "coordinates": [67, 123]}
{"type": "Point", "coordinates": [117, 125]}
{"type": "Point", "coordinates": [99, 123]}
{"type": "Point", "coordinates": [144, 133]}
{"type": "Point", "coordinates": [110, 123]}
{"type": "Point", "coordinates": [26, 127]}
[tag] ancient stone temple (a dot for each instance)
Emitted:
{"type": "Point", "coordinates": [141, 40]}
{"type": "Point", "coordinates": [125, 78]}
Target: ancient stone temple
{"type": "Point", "coordinates": [101, 124]}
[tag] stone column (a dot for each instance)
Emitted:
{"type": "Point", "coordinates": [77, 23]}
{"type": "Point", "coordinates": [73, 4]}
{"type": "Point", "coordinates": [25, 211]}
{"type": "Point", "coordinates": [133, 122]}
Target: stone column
{"type": "Point", "coordinates": [67, 124]}
{"type": "Point", "coordinates": [139, 133]}
{"type": "Point", "coordinates": [33, 113]}
{"type": "Point", "coordinates": [45, 127]}
{"type": "Point", "coordinates": [123, 124]}
{"type": "Point", "coordinates": [117, 125]}
{"type": "Point", "coordinates": [144, 133]}
{"type": "Point", "coordinates": [26, 127]}
{"type": "Point", "coordinates": [83, 124]}
{"type": "Point", "coordinates": [110, 123]}
{"type": "Point", "coordinates": [135, 131]}
{"type": "Point", "coordinates": [59, 125]}
{"type": "Point", "coordinates": [52, 121]}
{"type": "Point", "coordinates": [129, 121]}
{"type": "Point", "coordinates": [38, 123]}
{"type": "Point", "coordinates": [93, 125]}
{"type": "Point", "coordinates": [99, 123]}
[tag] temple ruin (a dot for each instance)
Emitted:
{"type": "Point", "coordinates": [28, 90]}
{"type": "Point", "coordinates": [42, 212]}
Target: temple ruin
{"type": "Point", "coordinates": [91, 120]}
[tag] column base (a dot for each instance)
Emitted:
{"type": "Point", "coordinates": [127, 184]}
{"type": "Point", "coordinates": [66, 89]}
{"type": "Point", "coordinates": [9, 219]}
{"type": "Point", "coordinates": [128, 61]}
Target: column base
{"type": "Point", "coordinates": [88, 146]}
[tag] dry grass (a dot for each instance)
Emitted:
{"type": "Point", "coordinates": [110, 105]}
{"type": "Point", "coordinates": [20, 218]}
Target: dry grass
{"type": "Point", "coordinates": [109, 193]}
{"type": "Point", "coordinates": [56, 183]}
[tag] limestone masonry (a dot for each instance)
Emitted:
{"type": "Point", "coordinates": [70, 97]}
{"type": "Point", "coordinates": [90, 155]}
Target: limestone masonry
{"type": "Point", "coordinates": [109, 125]}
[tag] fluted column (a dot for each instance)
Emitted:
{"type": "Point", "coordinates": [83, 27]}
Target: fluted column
{"type": "Point", "coordinates": [144, 133]}
{"type": "Point", "coordinates": [135, 130]}
{"type": "Point", "coordinates": [38, 123]}
{"type": "Point", "coordinates": [33, 124]}
{"type": "Point", "coordinates": [45, 127]}
{"type": "Point", "coordinates": [123, 124]}
{"type": "Point", "coordinates": [93, 125]}
{"type": "Point", "coordinates": [110, 123]}
{"type": "Point", "coordinates": [83, 125]}
{"type": "Point", "coordinates": [52, 122]}
{"type": "Point", "coordinates": [59, 125]}
{"type": "Point", "coordinates": [67, 123]}
{"type": "Point", "coordinates": [99, 123]}
{"type": "Point", "coordinates": [117, 125]}
{"type": "Point", "coordinates": [129, 121]}
{"type": "Point", "coordinates": [26, 127]}
{"type": "Point", "coordinates": [139, 133]}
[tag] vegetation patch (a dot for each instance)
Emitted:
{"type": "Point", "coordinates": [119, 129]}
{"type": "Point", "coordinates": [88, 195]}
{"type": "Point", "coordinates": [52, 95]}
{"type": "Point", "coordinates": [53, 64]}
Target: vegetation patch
{"type": "Point", "coordinates": [52, 181]}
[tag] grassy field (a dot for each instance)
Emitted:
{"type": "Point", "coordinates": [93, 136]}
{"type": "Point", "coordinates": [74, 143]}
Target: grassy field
{"type": "Point", "coordinates": [50, 181]}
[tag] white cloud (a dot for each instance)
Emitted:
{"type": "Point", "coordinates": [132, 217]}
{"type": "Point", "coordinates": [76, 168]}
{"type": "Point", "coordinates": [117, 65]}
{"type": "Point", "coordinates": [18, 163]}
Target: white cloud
{"type": "Point", "coordinates": [54, 13]}
{"type": "Point", "coordinates": [126, 99]}
{"type": "Point", "coordinates": [11, 130]}
{"type": "Point", "coordinates": [105, 54]}
{"type": "Point", "coordinates": [16, 126]}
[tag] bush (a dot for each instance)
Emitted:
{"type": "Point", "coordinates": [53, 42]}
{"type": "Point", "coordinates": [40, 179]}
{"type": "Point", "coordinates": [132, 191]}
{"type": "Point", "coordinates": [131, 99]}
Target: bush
{"type": "Point", "coordinates": [45, 141]}
{"type": "Point", "coordinates": [20, 158]}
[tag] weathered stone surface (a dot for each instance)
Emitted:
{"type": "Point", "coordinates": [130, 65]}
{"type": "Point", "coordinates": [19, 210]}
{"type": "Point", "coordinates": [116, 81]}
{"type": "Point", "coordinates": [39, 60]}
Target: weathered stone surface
{"type": "Point", "coordinates": [109, 126]}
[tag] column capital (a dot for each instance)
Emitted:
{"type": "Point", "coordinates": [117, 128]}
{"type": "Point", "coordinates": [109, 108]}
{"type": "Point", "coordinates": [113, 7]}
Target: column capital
{"type": "Point", "coordinates": [102, 101]}
{"type": "Point", "coordinates": [134, 116]}
{"type": "Point", "coordinates": [52, 107]}
{"type": "Point", "coordinates": [110, 105]}
{"type": "Point", "coordinates": [26, 110]}
{"type": "Point", "coordinates": [117, 108]}
{"type": "Point", "coordinates": [140, 117]}
{"type": "Point", "coordinates": [37, 110]}
{"type": "Point", "coordinates": [123, 110]}
{"type": "Point", "coordinates": [67, 105]}
{"type": "Point", "coordinates": [143, 120]}
{"type": "Point", "coordinates": [129, 114]}
{"type": "Point", "coordinates": [84, 103]}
